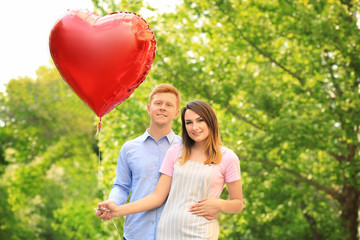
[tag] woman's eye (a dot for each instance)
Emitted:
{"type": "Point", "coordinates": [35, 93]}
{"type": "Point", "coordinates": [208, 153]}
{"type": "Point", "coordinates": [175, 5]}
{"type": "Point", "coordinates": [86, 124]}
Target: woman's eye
{"type": "Point", "coordinates": [187, 123]}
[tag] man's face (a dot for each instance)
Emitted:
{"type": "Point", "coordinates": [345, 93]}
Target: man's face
{"type": "Point", "coordinates": [163, 108]}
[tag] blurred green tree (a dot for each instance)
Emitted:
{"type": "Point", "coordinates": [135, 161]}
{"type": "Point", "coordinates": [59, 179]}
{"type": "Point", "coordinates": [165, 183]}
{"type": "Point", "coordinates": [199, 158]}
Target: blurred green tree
{"type": "Point", "coordinates": [48, 180]}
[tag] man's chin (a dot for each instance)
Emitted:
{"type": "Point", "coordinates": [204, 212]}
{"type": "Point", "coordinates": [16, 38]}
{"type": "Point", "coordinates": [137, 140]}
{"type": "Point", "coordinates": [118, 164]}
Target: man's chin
{"type": "Point", "coordinates": [162, 122]}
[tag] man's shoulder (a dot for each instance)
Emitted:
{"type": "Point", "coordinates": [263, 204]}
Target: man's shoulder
{"type": "Point", "coordinates": [177, 139]}
{"type": "Point", "coordinates": [135, 141]}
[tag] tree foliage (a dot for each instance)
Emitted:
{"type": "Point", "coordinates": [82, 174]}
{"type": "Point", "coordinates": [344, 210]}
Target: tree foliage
{"type": "Point", "coordinates": [49, 182]}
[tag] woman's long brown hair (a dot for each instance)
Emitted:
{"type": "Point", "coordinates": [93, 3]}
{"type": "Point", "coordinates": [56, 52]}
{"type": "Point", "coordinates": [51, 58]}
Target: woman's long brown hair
{"type": "Point", "coordinates": [213, 142]}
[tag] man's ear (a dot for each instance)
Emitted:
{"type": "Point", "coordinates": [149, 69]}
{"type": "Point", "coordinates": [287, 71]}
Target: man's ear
{"type": "Point", "coordinates": [148, 108]}
{"type": "Point", "coordinates": [177, 113]}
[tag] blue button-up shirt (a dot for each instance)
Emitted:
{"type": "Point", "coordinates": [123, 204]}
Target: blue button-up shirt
{"type": "Point", "coordinates": [137, 171]}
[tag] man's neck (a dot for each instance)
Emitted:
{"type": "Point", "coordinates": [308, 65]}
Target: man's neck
{"type": "Point", "coordinates": [158, 132]}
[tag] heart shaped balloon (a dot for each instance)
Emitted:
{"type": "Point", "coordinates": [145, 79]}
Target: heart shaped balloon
{"type": "Point", "coordinates": [103, 59]}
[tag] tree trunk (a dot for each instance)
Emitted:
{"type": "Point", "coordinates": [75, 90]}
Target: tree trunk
{"type": "Point", "coordinates": [316, 235]}
{"type": "Point", "coordinates": [349, 214]}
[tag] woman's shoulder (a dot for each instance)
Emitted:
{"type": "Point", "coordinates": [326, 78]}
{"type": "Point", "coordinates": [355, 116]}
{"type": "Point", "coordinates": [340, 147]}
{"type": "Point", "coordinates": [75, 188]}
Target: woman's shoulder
{"type": "Point", "coordinates": [175, 150]}
{"type": "Point", "coordinates": [228, 155]}
{"type": "Point", "coordinates": [176, 147]}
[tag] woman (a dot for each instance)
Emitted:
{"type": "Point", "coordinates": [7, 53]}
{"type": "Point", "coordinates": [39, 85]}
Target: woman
{"type": "Point", "coordinates": [193, 177]}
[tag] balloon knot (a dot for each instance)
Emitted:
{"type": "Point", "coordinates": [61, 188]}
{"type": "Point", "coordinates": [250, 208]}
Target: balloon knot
{"type": "Point", "coordinates": [99, 127]}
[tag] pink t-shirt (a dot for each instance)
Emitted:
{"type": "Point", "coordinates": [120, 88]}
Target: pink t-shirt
{"type": "Point", "coordinates": [227, 171]}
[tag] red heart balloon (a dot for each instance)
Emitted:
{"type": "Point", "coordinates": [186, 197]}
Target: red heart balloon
{"type": "Point", "coordinates": [103, 59]}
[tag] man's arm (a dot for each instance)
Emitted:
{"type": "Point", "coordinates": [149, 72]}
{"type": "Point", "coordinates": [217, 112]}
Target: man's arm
{"type": "Point", "coordinates": [122, 185]}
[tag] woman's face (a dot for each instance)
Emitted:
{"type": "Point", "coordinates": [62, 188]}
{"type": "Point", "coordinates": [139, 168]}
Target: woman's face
{"type": "Point", "coordinates": [196, 127]}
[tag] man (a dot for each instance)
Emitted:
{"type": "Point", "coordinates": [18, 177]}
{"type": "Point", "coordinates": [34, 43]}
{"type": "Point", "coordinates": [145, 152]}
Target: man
{"type": "Point", "coordinates": [139, 162]}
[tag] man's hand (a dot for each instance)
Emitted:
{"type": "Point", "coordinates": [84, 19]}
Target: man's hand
{"type": "Point", "coordinates": [207, 207]}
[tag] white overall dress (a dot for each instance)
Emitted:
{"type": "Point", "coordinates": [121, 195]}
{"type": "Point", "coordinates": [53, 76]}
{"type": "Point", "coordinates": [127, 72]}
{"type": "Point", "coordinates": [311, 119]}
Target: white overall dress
{"type": "Point", "coordinates": [190, 183]}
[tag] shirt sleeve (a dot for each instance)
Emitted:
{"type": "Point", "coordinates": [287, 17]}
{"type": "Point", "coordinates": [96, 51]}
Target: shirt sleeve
{"type": "Point", "coordinates": [122, 185]}
{"type": "Point", "coordinates": [231, 166]}
{"type": "Point", "coordinates": [170, 159]}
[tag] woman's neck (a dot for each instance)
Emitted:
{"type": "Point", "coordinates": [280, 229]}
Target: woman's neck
{"type": "Point", "coordinates": [198, 153]}
{"type": "Point", "coordinates": [199, 146]}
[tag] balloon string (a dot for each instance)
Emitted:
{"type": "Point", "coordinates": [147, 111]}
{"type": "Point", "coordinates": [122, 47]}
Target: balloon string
{"type": "Point", "coordinates": [116, 228]}
{"type": "Point", "coordinates": [99, 176]}
{"type": "Point", "coordinates": [99, 127]}
{"type": "Point", "coordinates": [99, 166]}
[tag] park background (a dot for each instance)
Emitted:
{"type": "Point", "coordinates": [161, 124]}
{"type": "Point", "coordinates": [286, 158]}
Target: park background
{"type": "Point", "coordinates": [284, 79]}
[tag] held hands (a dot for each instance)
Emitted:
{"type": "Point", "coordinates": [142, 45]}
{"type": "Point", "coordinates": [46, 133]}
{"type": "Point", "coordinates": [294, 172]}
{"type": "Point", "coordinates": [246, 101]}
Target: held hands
{"type": "Point", "coordinates": [207, 207]}
{"type": "Point", "coordinates": [105, 210]}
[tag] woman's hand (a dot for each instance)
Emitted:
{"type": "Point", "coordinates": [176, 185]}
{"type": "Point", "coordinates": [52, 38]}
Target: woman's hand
{"type": "Point", "coordinates": [207, 207]}
{"type": "Point", "coordinates": [106, 210]}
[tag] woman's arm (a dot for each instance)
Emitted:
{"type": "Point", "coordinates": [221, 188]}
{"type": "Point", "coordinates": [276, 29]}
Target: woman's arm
{"type": "Point", "coordinates": [156, 199]}
{"type": "Point", "coordinates": [211, 207]}
{"type": "Point", "coordinates": [235, 204]}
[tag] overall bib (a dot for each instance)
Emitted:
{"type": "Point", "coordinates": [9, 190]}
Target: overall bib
{"type": "Point", "coordinates": [190, 183]}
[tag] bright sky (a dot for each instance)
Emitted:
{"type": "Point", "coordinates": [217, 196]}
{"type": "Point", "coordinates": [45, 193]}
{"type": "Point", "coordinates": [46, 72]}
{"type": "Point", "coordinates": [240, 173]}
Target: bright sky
{"type": "Point", "coordinates": [25, 27]}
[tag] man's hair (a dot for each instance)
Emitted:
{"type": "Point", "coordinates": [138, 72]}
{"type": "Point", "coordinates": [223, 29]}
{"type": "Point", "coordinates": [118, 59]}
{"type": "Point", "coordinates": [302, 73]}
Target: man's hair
{"type": "Point", "coordinates": [165, 88]}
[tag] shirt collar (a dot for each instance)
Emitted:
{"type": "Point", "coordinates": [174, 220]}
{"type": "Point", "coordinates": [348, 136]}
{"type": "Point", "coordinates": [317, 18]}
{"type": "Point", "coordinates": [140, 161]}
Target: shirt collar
{"type": "Point", "coordinates": [170, 136]}
{"type": "Point", "coordinates": [145, 135]}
